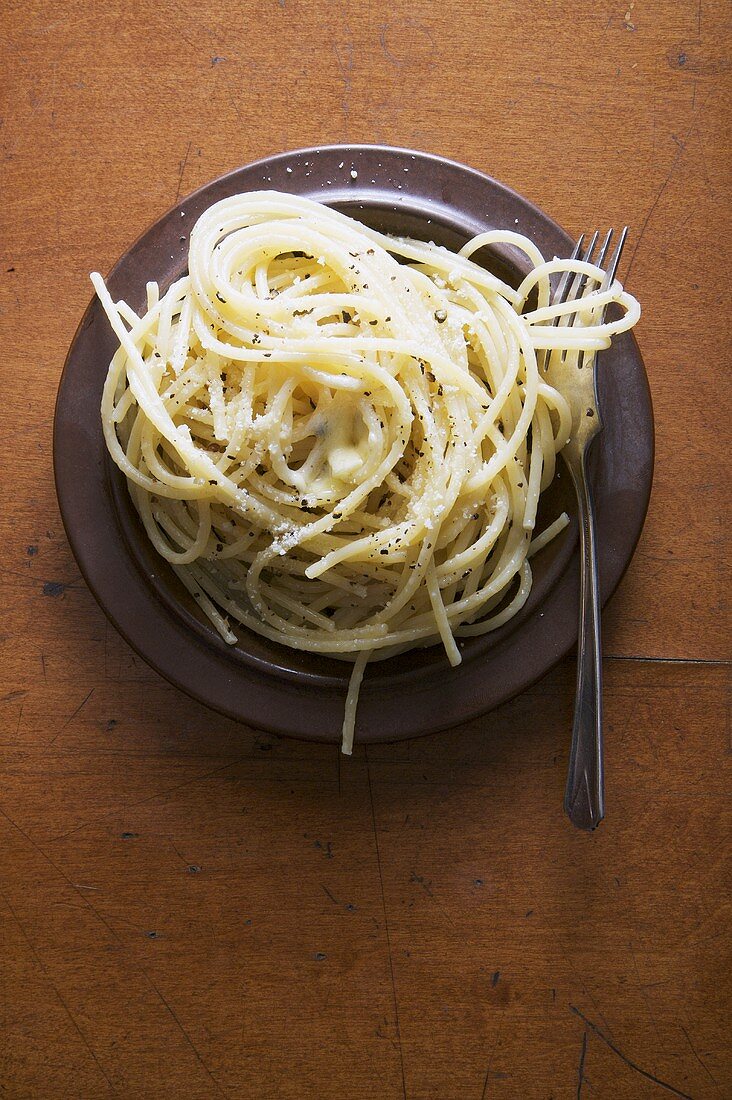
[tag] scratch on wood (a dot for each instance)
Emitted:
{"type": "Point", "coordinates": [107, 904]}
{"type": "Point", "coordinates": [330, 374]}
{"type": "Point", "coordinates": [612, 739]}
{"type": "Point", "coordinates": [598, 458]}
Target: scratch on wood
{"type": "Point", "coordinates": [12, 696]}
{"type": "Point", "coordinates": [496, 1075]}
{"type": "Point", "coordinates": [186, 1036]}
{"type": "Point", "coordinates": [568, 960]}
{"type": "Point", "coordinates": [183, 164]}
{"type": "Point", "coordinates": [653, 206]}
{"type": "Point", "coordinates": [693, 1051]}
{"type": "Point", "coordinates": [420, 880]}
{"type": "Point", "coordinates": [624, 1058]}
{"type": "Point", "coordinates": [178, 853]}
{"type": "Point", "coordinates": [386, 927]}
{"type": "Point", "coordinates": [126, 806]}
{"type": "Point", "coordinates": [581, 1066]}
{"type": "Point", "coordinates": [346, 69]}
{"type": "Point", "coordinates": [114, 935]}
{"type": "Point", "coordinates": [385, 49]}
{"type": "Point", "coordinates": [54, 987]}
{"type": "Point", "coordinates": [328, 894]}
{"type": "Point", "coordinates": [237, 112]}
{"type": "Point", "coordinates": [645, 995]}
{"type": "Point", "coordinates": [674, 165]}
{"type": "Point", "coordinates": [80, 707]}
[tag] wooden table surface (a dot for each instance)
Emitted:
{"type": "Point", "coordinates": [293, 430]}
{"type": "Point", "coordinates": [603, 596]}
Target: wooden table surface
{"type": "Point", "coordinates": [190, 908]}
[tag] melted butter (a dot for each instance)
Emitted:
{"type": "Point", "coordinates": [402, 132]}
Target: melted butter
{"type": "Point", "coordinates": [345, 455]}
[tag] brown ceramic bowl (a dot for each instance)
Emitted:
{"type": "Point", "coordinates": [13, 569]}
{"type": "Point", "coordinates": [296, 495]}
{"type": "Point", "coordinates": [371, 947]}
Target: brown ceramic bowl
{"type": "Point", "coordinates": [267, 685]}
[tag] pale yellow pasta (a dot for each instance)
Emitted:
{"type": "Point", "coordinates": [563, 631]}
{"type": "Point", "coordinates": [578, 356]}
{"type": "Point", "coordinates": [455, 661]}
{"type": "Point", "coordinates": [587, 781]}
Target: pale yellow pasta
{"type": "Point", "coordinates": [337, 438]}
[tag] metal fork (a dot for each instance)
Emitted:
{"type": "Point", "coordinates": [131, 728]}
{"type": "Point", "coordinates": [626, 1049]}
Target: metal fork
{"type": "Point", "coordinates": [584, 800]}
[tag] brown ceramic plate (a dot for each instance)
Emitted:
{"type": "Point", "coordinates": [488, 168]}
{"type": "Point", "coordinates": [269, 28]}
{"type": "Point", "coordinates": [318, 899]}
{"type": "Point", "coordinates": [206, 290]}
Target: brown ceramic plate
{"type": "Point", "coordinates": [267, 685]}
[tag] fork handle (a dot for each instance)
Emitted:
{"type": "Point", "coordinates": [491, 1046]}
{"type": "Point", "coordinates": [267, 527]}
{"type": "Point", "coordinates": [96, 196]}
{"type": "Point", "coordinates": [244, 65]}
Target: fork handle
{"type": "Point", "coordinates": [584, 800]}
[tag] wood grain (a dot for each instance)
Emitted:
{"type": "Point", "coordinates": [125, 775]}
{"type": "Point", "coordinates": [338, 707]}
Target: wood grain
{"type": "Point", "coordinates": [189, 907]}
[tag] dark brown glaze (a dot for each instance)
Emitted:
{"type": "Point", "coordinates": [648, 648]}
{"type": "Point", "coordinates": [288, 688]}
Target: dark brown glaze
{"type": "Point", "coordinates": [259, 682]}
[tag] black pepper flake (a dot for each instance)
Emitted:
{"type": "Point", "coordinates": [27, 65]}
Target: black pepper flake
{"type": "Point", "coordinates": [383, 551]}
{"type": "Point", "coordinates": [373, 322]}
{"type": "Point", "coordinates": [223, 300]}
{"type": "Point", "coordinates": [590, 412]}
{"type": "Point", "coordinates": [346, 316]}
{"type": "Point", "coordinates": [440, 316]}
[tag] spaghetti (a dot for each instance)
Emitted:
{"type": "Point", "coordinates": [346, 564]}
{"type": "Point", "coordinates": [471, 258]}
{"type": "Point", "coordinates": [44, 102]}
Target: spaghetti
{"type": "Point", "coordinates": [338, 439]}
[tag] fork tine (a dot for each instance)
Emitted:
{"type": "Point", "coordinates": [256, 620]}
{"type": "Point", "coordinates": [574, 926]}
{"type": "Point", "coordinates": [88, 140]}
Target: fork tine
{"type": "Point", "coordinates": [580, 281]}
{"type": "Point", "coordinates": [578, 284]}
{"type": "Point", "coordinates": [560, 294]}
{"type": "Point", "coordinates": [612, 267]}
{"type": "Point", "coordinates": [603, 250]}
{"type": "Point", "coordinates": [587, 258]}
{"type": "Point", "coordinates": [559, 297]}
